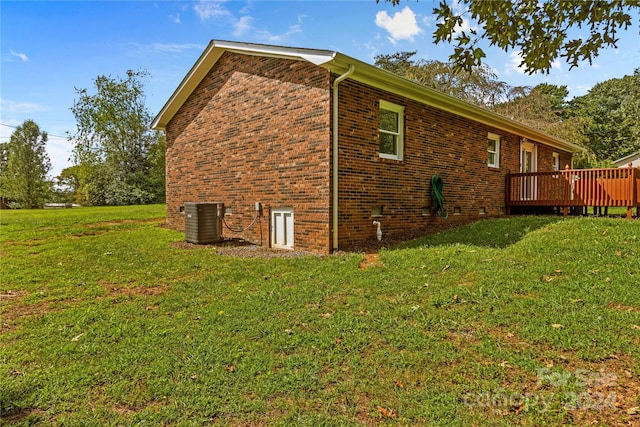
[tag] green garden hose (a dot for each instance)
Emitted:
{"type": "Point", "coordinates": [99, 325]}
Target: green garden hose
{"type": "Point", "coordinates": [437, 196]}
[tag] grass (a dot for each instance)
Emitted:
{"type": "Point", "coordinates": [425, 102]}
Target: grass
{"type": "Point", "coordinates": [525, 320]}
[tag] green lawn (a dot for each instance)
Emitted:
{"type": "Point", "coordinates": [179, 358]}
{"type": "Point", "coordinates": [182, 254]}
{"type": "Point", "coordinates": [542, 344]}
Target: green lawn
{"type": "Point", "coordinates": [525, 320]}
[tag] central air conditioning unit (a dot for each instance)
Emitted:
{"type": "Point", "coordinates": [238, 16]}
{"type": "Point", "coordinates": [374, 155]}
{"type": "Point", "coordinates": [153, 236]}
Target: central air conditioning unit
{"type": "Point", "coordinates": [203, 222]}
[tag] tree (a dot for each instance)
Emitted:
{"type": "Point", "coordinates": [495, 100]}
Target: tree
{"type": "Point", "coordinates": [538, 29]}
{"type": "Point", "coordinates": [556, 95]}
{"type": "Point", "coordinates": [479, 87]}
{"type": "Point", "coordinates": [114, 144]}
{"type": "Point", "coordinates": [544, 108]}
{"type": "Point", "coordinates": [157, 165]}
{"type": "Point", "coordinates": [24, 171]}
{"type": "Point", "coordinates": [611, 114]}
{"type": "Point", "coordinates": [4, 158]}
{"type": "Point", "coordinates": [69, 185]}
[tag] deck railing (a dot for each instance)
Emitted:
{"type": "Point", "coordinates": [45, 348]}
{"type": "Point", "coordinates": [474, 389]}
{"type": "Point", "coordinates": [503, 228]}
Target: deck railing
{"type": "Point", "coordinates": [575, 187]}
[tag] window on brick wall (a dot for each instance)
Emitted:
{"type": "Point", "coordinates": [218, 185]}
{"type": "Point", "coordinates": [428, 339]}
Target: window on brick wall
{"type": "Point", "coordinates": [391, 130]}
{"type": "Point", "coordinates": [493, 150]}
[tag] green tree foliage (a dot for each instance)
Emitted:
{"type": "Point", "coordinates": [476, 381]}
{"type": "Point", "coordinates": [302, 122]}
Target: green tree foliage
{"type": "Point", "coordinates": [611, 116]}
{"type": "Point", "coordinates": [157, 165]}
{"type": "Point", "coordinates": [4, 157]}
{"type": "Point", "coordinates": [25, 165]}
{"type": "Point", "coordinates": [538, 29]}
{"type": "Point", "coordinates": [606, 121]}
{"type": "Point", "coordinates": [479, 87]}
{"type": "Point", "coordinates": [544, 108]}
{"type": "Point", "coordinates": [115, 149]}
{"type": "Point", "coordinates": [69, 185]}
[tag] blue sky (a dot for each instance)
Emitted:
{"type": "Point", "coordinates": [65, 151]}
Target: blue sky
{"type": "Point", "coordinates": [48, 48]}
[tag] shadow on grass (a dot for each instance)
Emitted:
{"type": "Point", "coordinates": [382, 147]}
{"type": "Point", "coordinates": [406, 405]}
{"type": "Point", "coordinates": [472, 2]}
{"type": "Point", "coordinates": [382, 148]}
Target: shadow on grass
{"type": "Point", "coordinates": [490, 233]}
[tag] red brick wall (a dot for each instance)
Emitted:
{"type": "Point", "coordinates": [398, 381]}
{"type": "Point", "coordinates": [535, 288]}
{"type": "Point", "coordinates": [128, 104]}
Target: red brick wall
{"type": "Point", "coordinates": [435, 142]}
{"type": "Point", "coordinates": [255, 130]}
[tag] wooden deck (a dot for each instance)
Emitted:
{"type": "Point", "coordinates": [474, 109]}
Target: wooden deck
{"type": "Point", "coordinates": [575, 187]}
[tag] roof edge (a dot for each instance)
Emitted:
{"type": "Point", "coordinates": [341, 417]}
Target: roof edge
{"type": "Point", "coordinates": [383, 79]}
{"type": "Point", "coordinates": [631, 156]}
{"type": "Point", "coordinates": [365, 73]}
{"type": "Point", "coordinates": [212, 54]}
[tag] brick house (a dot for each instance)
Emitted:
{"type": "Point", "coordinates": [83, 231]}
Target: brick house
{"type": "Point", "coordinates": [327, 144]}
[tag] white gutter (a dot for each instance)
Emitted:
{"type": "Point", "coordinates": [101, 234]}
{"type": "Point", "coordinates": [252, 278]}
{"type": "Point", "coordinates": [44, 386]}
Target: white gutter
{"type": "Point", "coordinates": [352, 68]}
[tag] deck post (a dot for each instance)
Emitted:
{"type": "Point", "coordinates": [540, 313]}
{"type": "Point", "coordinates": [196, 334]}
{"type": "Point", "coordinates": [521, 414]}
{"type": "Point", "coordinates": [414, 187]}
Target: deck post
{"type": "Point", "coordinates": [507, 193]}
{"type": "Point", "coordinates": [567, 191]}
{"type": "Point", "coordinates": [632, 190]}
{"type": "Point", "coordinates": [635, 191]}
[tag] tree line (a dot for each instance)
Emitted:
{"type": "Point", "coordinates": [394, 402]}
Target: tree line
{"type": "Point", "coordinates": [117, 158]}
{"type": "Point", "coordinates": [606, 120]}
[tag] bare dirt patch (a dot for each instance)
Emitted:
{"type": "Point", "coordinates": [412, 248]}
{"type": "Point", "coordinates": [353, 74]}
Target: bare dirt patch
{"type": "Point", "coordinates": [371, 260]}
{"type": "Point", "coordinates": [623, 307]}
{"type": "Point", "coordinates": [123, 221]}
{"type": "Point", "coordinates": [239, 248]}
{"type": "Point", "coordinates": [113, 290]}
{"type": "Point", "coordinates": [12, 308]}
{"type": "Point", "coordinates": [16, 415]}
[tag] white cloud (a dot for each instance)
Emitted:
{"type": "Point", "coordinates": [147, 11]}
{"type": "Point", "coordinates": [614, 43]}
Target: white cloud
{"type": "Point", "coordinates": [515, 61]}
{"type": "Point", "coordinates": [174, 47]}
{"type": "Point", "coordinates": [459, 9]}
{"type": "Point", "coordinates": [429, 21]}
{"type": "Point", "coordinates": [211, 9]}
{"type": "Point", "coordinates": [13, 107]}
{"type": "Point", "coordinates": [579, 90]}
{"type": "Point", "coordinates": [175, 18]}
{"type": "Point", "coordinates": [372, 51]}
{"type": "Point", "coordinates": [280, 38]}
{"type": "Point", "coordinates": [149, 50]}
{"type": "Point", "coordinates": [242, 26]}
{"type": "Point", "coordinates": [401, 26]}
{"type": "Point", "coordinates": [247, 8]}
{"type": "Point", "coordinates": [23, 57]}
{"type": "Point", "coordinates": [464, 27]}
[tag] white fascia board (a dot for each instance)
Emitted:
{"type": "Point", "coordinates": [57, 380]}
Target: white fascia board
{"type": "Point", "coordinates": [385, 80]}
{"type": "Point", "coordinates": [315, 56]}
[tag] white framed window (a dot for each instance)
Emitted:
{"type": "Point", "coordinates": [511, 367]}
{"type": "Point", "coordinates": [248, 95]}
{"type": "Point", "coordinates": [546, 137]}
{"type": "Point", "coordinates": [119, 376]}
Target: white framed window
{"type": "Point", "coordinates": [493, 150]}
{"type": "Point", "coordinates": [391, 130]}
{"type": "Point", "coordinates": [556, 161]}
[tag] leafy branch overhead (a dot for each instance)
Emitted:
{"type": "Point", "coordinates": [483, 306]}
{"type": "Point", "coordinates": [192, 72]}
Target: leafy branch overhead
{"type": "Point", "coordinates": [541, 30]}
